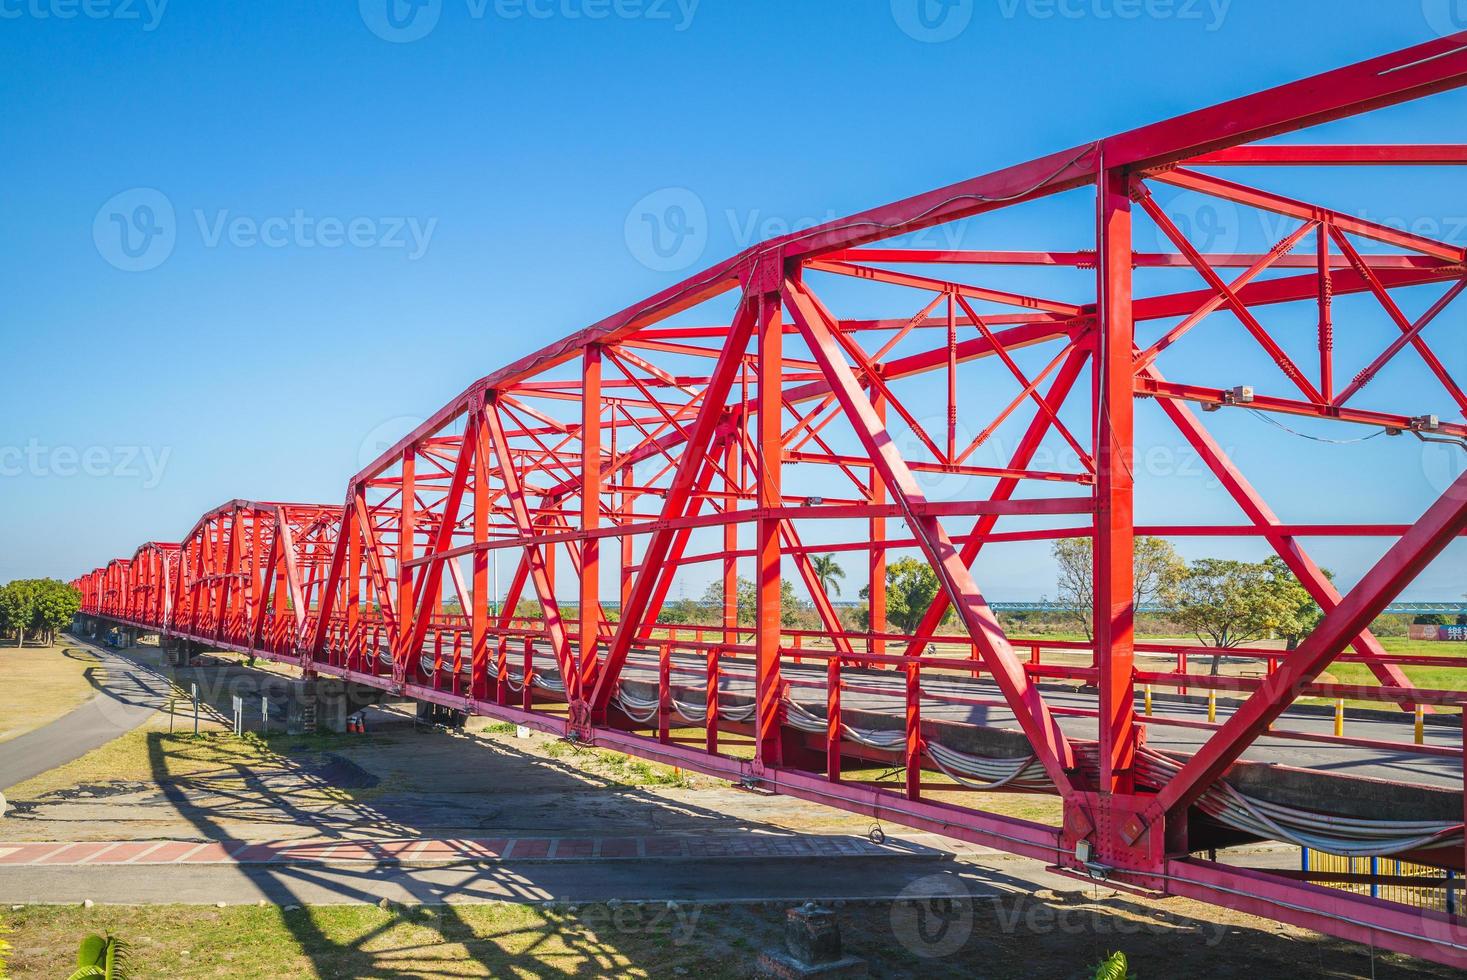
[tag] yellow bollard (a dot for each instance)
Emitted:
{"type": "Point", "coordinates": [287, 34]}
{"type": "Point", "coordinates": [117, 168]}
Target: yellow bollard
{"type": "Point", "coordinates": [1339, 717]}
{"type": "Point", "coordinates": [1148, 700]}
{"type": "Point", "coordinates": [1211, 706]}
{"type": "Point", "coordinates": [1420, 724]}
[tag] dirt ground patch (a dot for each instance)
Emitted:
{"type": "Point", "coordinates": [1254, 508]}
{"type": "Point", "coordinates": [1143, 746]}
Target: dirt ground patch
{"type": "Point", "coordinates": [41, 685]}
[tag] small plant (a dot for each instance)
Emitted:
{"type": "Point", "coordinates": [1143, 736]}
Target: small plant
{"type": "Point", "coordinates": [1113, 968]}
{"type": "Point", "coordinates": [101, 957]}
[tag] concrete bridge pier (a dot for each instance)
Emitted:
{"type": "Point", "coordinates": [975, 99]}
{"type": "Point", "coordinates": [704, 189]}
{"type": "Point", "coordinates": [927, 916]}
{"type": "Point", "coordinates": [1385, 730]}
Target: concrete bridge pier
{"type": "Point", "coordinates": [300, 705]}
{"type": "Point", "coordinates": [332, 701]}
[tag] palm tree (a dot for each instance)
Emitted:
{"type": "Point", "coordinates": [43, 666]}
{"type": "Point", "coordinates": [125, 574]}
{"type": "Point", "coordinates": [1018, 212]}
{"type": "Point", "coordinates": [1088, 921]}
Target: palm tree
{"type": "Point", "coordinates": [827, 571]}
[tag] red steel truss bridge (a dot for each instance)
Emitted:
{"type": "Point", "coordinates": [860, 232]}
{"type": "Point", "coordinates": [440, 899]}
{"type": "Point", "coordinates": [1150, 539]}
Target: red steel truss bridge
{"type": "Point", "coordinates": [773, 409]}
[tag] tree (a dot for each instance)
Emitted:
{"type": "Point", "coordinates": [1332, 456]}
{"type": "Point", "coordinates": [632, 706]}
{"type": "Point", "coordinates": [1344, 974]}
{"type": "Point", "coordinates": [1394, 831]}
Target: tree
{"type": "Point", "coordinates": [1156, 568]}
{"type": "Point", "coordinates": [1230, 602]}
{"type": "Point", "coordinates": [39, 605]}
{"type": "Point", "coordinates": [911, 585]}
{"type": "Point", "coordinates": [827, 570]}
{"type": "Point", "coordinates": [1303, 613]}
{"type": "Point", "coordinates": [18, 607]}
{"type": "Point", "coordinates": [789, 604]}
{"type": "Point", "coordinates": [56, 603]}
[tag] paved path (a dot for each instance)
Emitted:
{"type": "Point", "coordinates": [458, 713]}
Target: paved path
{"type": "Point", "coordinates": [128, 694]}
{"type": "Point", "coordinates": [418, 850]}
{"type": "Point", "coordinates": [790, 881]}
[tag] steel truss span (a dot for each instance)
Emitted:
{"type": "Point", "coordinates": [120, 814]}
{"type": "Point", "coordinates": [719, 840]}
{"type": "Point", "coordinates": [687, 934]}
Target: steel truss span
{"type": "Point", "coordinates": [835, 388]}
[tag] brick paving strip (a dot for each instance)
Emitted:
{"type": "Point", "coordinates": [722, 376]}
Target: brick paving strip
{"type": "Point", "coordinates": [419, 850]}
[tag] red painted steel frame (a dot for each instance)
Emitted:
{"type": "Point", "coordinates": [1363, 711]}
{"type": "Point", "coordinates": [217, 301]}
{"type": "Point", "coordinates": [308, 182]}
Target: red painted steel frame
{"type": "Point", "coordinates": [655, 434]}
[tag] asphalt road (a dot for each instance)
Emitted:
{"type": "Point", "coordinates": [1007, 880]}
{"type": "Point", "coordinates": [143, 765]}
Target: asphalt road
{"type": "Point", "coordinates": [128, 693]}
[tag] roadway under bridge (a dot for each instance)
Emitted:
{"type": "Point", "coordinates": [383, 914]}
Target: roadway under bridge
{"type": "Point", "coordinates": [802, 398]}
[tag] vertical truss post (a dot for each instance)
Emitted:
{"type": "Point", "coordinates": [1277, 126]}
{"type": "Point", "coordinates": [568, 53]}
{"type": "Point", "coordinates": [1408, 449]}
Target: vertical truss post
{"type": "Point", "coordinates": [590, 601]}
{"type": "Point", "coordinates": [730, 546]}
{"type": "Point", "coordinates": [710, 696]}
{"type": "Point", "coordinates": [281, 627]}
{"type": "Point", "coordinates": [832, 718]}
{"type": "Point", "coordinates": [254, 598]}
{"type": "Point", "coordinates": [767, 551]}
{"type": "Point", "coordinates": [351, 529]}
{"type": "Point", "coordinates": [628, 555]}
{"type": "Point", "coordinates": [912, 755]}
{"type": "Point", "coordinates": [1114, 451]}
{"type": "Point", "coordinates": [479, 584]}
{"type": "Point", "coordinates": [1326, 313]}
{"type": "Point", "coordinates": [407, 529]}
{"type": "Point", "coordinates": [876, 591]}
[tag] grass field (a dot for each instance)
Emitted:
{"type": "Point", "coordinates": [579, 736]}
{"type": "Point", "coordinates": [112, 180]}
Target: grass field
{"type": "Point", "coordinates": [149, 754]}
{"type": "Point", "coordinates": [353, 941]}
{"type": "Point", "coordinates": [41, 685]}
{"type": "Point", "coordinates": [1050, 934]}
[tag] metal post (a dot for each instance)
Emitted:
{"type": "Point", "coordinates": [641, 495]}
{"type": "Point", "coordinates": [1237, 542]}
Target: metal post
{"type": "Point", "coordinates": [767, 612]}
{"type": "Point", "coordinates": [1114, 453]}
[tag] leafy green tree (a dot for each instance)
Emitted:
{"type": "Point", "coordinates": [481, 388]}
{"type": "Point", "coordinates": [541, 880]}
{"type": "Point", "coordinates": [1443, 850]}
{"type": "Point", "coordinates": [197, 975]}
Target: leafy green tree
{"type": "Point", "coordinates": [911, 585]}
{"type": "Point", "coordinates": [790, 605]}
{"type": "Point", "coordinates": [827, 570]}
{"type": "Point", "coordinates": [37, 605]}
{"type": "Point", "coordinates": [1156, 569]}
{"type": "Point", "coordinates": [18, 607]}
{"type": "Point", "coordinates": [1230, 603]}
{"type": "Point", "coordinates": [56, 603]}
{"type": "Point", "coordinates": [1303, 613]}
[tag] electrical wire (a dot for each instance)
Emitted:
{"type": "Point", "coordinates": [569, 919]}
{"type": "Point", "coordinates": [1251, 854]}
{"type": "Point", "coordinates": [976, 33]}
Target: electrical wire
{"type": "Point", "coordinates": [1304, 435]}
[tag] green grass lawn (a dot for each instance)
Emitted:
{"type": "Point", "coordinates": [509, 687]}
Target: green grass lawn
{"type": "Point", "coordinates": [42, 684]}
{"type": "Point", "coordinates": [243, 942]}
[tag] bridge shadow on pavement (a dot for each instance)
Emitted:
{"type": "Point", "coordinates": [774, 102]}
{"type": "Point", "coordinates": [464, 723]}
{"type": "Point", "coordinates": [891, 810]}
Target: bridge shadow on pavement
{"type": "Point", "coordinates": [395, 785]}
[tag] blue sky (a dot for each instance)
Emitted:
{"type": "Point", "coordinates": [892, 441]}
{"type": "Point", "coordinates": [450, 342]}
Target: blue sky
{"type": "Point", "coordinates": [366, 220]}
